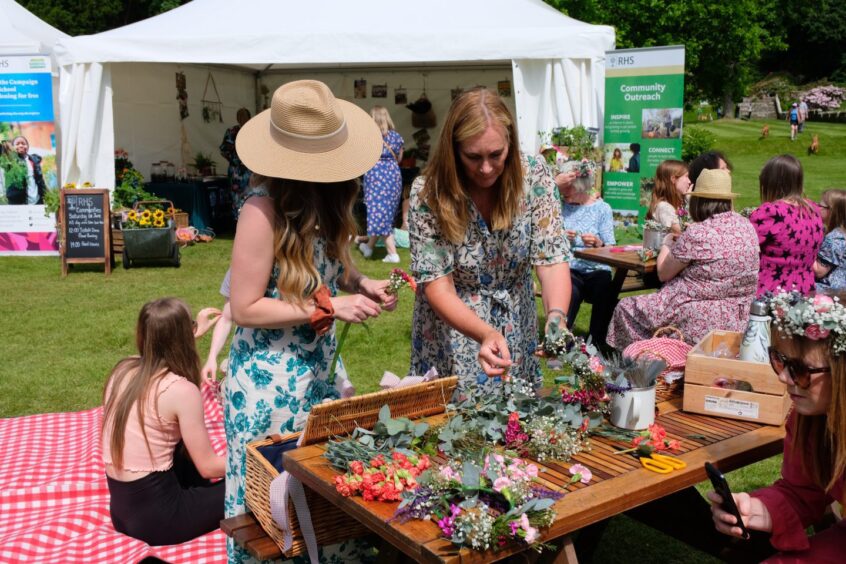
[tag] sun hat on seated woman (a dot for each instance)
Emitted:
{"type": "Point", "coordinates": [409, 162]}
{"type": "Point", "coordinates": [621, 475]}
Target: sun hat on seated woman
{"type": "Point", "coordinates": [714, 184]}
{"type": "Point", "coordinates": [308, 134]}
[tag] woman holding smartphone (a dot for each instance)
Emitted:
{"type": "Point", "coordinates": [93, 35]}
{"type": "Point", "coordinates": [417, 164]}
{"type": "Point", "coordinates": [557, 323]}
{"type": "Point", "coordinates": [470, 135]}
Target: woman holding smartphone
{"type": "Point", "coordinates": [809, 356]}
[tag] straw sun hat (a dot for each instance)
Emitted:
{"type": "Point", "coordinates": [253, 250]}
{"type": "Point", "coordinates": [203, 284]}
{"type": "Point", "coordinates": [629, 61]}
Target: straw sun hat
{"type": "Point", "coordinates": [715, 184]}
{"type": "Point", "coordinates": [308, 134]}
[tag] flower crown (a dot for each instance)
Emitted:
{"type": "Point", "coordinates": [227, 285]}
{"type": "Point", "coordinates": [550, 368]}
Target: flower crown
{"type": "Point", "coordinates": [586, 168]}
{"type": "Point", "coordinates": [813, 317]}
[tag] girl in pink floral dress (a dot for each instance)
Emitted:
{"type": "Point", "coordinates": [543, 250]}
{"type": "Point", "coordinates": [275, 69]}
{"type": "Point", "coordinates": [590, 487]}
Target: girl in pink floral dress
{"type": "Point", "coordinates": [710, 273]}
{"type": "Point", "coordinates": [790, 229]}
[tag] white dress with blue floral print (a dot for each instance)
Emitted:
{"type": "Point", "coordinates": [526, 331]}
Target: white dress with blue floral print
{"type": "Point", "coordinates": [275, 377]}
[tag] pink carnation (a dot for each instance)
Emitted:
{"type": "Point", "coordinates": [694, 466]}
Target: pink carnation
{"type": "Point", "coordinates": [823, 303]}
{"type": "Point", "coordinates": [581, 473]}
{"type": "Point", "coordinates": [816, 333]}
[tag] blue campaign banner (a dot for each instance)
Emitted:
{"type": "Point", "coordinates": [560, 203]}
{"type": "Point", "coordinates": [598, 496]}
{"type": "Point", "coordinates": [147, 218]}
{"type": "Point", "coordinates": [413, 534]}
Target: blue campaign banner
{"type": "Point", "coordinates": [26, 97]}
{"type": "Point", "coordinates": [28, 173]}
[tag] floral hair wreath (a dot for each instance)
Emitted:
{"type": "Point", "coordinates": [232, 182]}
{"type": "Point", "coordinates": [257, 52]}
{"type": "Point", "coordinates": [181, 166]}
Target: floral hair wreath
{"type": "Point", "coordinates": [586, 168]}
{"type": "Point", "coordinates": [813, 317]}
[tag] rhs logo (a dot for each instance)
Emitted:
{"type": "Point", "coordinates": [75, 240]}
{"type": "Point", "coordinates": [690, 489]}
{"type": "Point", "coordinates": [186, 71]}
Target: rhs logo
{"type": "Point", "coordinates": [38, 63]}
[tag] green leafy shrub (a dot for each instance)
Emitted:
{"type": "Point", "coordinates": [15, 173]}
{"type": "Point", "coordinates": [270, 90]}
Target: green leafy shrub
{"type": "Point", "coordinates": [695, 141]}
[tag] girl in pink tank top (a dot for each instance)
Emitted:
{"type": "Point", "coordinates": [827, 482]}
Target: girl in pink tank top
{"type": "Point", "coordinates": [159, 458]}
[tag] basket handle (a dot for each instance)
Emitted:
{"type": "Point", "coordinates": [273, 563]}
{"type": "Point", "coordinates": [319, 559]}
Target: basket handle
{"type": "Point", "coordinates": [668, 329]}
{"type": "Point", "coordinates": [653, 353]}
{"type": "Point", "coordinates": [143, 202]}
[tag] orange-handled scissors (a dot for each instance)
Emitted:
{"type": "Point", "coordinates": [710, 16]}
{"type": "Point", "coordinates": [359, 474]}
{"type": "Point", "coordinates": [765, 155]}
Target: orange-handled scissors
{"type": "Point", "coordinates": [662, 463]}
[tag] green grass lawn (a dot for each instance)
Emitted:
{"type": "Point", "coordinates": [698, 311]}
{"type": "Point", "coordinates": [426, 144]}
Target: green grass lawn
{"type": "Point", "coordinates": [59, 338]}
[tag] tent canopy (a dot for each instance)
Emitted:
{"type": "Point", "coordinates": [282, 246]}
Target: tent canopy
{"type": "Point", "coordinates": [272, 33]}
{"type": "Point", "coordinates": [22, 33]}
{"type": "Point", "coordinates": [557, 62]}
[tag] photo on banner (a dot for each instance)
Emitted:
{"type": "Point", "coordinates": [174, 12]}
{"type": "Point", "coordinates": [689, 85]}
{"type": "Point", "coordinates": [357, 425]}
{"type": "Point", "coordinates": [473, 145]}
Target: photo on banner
{"type": "Point", "coordinates": [644, 100]}
{"type": "Point", "coordinates": [27, 156]}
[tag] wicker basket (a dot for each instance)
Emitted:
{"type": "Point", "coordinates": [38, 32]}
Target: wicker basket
{"type": "Point", "coordinates": [180, 218]}
{"type": "Point", "coordinates": [331, 419]}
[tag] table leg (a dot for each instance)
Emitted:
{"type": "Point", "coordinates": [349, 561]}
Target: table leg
{"type": "Point", "coordinates": [617, 283]}
{"type": "Point", "coordinates": [566, 552]}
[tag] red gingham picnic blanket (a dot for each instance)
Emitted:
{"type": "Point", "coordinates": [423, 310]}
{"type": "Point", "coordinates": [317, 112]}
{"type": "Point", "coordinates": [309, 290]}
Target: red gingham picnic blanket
{"type": "Point", "coordinates": [54, 500]}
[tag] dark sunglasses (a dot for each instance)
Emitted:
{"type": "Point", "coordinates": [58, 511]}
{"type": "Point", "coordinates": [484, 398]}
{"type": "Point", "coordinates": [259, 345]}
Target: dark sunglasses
{"type": "Point", "coordinates": [799, 372]}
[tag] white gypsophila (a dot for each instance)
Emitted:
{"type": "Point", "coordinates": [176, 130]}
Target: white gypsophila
{"type": "Point", "coordinates": [810, 317]}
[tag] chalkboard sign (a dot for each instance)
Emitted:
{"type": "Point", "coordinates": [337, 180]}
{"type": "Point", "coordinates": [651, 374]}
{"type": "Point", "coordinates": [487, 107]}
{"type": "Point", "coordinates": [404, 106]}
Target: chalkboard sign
{"type": "Point", "coordinates": [85, 227]}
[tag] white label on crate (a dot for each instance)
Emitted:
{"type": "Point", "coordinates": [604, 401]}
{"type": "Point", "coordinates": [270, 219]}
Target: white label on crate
{"type": "Point", "coordinates": [728, 406]}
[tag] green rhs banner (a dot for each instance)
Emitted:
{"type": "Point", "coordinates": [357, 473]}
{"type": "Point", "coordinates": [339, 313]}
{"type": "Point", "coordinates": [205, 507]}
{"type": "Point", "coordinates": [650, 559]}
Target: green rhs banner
{"type": "Point", "coordinates": [644, 103]}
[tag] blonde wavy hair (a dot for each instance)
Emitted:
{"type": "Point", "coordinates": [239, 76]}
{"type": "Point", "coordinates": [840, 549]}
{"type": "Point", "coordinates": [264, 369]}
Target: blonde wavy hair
{"type": "Point", "coordinates": [304, 211]}
{"type": "Point", "coordinates": [444, 190]}
{"type": "Point", "coordinates": [382, 118]}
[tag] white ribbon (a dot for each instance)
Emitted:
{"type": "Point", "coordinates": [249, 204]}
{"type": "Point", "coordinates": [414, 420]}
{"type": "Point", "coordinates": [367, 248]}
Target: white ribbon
{"type": "Point", "coordinates": [283, 488]}
{"type": "Point", "coordinates": [391, 380]}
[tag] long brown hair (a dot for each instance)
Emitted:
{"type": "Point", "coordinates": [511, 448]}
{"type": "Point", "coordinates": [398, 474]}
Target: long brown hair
{"type": "Point", "coordinates": [835, 199]}
{"type": "Point", "coordinates": [822, 436]}
{"type": "Point", "coordinates": [782, 178]}
{"type": "Point", "coordinates": [304, 211]}
{"type": "Point", "coordinates": [164, 337]}
{"type": "Point", "coordinates": [665, 186]}
{"type": "Point", "coordinates": [444, 192]}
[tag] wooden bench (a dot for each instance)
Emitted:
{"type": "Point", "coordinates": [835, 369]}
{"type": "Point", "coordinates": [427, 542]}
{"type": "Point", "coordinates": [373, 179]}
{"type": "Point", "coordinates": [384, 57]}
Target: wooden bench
{"type": "Point", "coordinates": [633, 282]}
{"type": "Point", "coordinates": [247, 532]}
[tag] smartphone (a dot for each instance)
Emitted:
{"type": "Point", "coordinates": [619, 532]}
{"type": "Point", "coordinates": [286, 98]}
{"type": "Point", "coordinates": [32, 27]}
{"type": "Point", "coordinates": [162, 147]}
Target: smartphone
{"type": "Point", "coordinates": [722, 488]}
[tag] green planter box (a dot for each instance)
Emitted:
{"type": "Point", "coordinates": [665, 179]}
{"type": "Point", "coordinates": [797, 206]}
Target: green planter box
{"type": "Point", "coordinates": [152, 243]}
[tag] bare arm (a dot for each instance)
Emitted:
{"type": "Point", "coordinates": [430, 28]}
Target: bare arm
{"type": "Point", "coordinates": [183, 400]}
{"type": "Point", "coordinates": [820, 269]}
{"type": "Point", "coordinates": [494, 355]}
{"type": "Point", "coordinates": [219, 336]}
{"type": "Point", "coordinates": [555, 288]}
{"type": "Point", "coordinates": [668, 265]}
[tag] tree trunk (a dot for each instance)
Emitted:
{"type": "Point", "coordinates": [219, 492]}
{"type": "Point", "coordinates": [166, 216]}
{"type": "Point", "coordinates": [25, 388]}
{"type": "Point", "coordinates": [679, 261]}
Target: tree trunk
{"type": "Point", "coordinates": [728, 104]}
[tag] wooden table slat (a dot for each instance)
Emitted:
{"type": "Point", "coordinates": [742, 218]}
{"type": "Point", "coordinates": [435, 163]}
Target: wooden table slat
{"type": "Point", "coordinates": [619, 482]}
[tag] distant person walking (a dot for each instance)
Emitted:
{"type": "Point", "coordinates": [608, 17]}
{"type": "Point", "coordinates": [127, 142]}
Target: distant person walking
{"type": "Point", "coordinates": [793, 120]}
{"type": "Point", "coordinates": [803, 115]}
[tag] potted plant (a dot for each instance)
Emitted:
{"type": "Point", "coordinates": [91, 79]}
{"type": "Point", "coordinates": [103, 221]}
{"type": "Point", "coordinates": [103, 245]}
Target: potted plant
{"type": "Point", "coordinates": [204, 164]}
{"type": "Point", "coordinates": [653, 234]}
{"type": "Point", "coordinates": [149, 233]}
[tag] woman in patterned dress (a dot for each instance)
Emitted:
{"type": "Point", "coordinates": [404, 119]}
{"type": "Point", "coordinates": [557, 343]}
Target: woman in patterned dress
{"type": "Point", "coordinates": [289, 259]}
{"type": "Point", "coordinates": [383, 188]}
{"type": "Point", "coordinates": [480, 219]}
{"type": "Point", "coordinates": [710, 272]}
{"type": "Point", "coordinates": [790, 229]}
{"type": "Point", "coordinates": [239, 176]}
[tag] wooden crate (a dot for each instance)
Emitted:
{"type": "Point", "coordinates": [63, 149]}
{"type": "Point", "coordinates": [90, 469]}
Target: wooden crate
{"type": "Point", "coordinates": [768, 402]}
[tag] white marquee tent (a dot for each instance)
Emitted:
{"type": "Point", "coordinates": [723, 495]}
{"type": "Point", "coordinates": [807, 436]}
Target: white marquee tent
{"type": "Point", "coordinates": [22, 33]}
{"type": "Point", "coordinates": [556, 63]}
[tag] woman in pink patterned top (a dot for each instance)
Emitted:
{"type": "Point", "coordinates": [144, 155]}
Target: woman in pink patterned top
{"type": "Point", "coordinates": [790, 229]}
{"type": "Point", "coordinates": [710, 272]}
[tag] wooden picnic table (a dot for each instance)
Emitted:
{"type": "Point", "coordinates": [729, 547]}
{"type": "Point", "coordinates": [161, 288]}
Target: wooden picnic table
{"type": "Point", "coordinates": [622, 262]}
{"type": "Point", "coordinates": [619, 482]}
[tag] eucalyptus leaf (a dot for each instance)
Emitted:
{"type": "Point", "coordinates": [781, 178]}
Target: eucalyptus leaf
{"type": "Point", "coordinates": [471, 477]}
{"type": "Point", "coordinates": [420, 429]}
{"type": "Point", "coordinates": [385, 413]}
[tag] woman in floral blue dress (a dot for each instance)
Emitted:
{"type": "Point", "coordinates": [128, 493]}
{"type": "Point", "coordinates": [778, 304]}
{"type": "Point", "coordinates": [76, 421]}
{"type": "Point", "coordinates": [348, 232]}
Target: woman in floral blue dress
{"type": "Point", "coordinates": [383, 188]}
{"type": "Point", "coordinates": [480, 219]}
{"type": "Point", "coordinates": [290, 258]}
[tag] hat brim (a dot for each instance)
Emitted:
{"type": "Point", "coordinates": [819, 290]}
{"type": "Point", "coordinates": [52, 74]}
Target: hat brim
{"type": "Point", "coordinates": [260, 151]}
{"type": "Point", "coordinates": [715, 196]}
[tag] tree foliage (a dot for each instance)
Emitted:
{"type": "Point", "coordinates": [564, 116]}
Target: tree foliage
{"type": "Point", "coordinates": [84, 17]}
{"type": "Point", "coordinates": [723, 41]}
